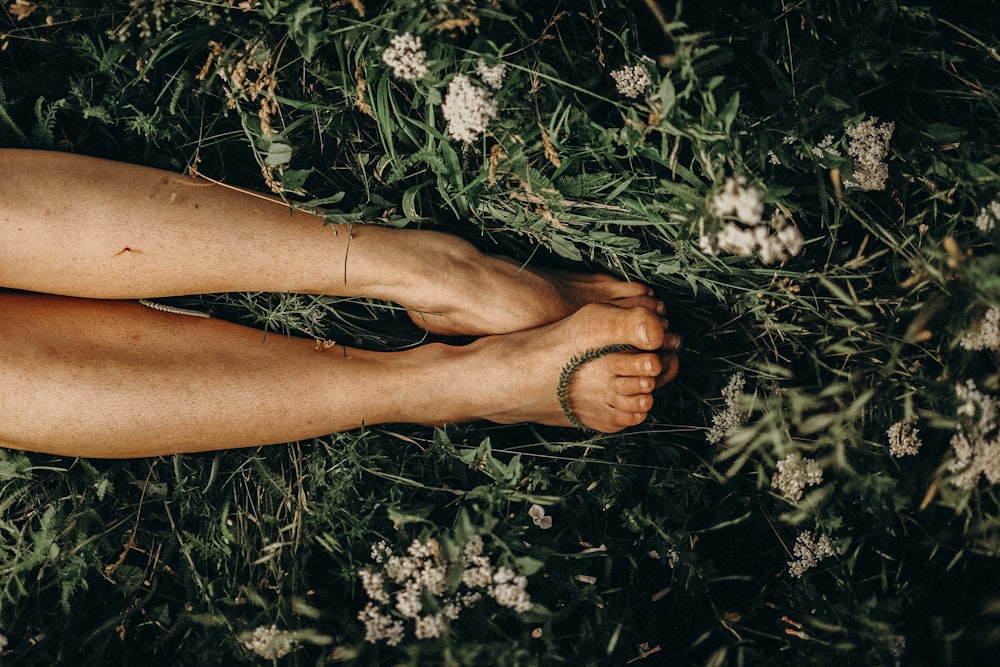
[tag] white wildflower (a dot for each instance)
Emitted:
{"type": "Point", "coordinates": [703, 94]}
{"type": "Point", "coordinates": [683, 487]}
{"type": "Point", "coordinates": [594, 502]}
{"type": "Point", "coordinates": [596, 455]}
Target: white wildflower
{"type": "Point", "coordinates": [988, 216]}
{"type": "Point", "coordinates": [794, 474]}
{"type": "Point", "coordinates": [733, 414]}
{"type": "Point", "coordinates": [473, 548]}
{"type": "Point", "coordinates": [429, 627]}
{"type": "Point", "coordinates": [408, 602]}
{"type": "Point", "coordinates": [772, 158]}
{"type": "Point", "coordinates": [406, 56]}
{"type": "Point", "coordinates": [478, 572]}
{"type": "Point", "coordinates": [539, 518]}
{"type": "Point", "coordinates": [738, 199]}
{"type": "Point", "coordinates": [904, 439]}
{"type": "Point", "coordinates": [467, 108]}
{"type": "Point", "coordinates": [509, 590]}
{"type": "Point", "coordinates": [491, 75]}
{"type": "Point", "coordinates": [868, 146]}
{"type": "Point", "coordinates": [380, 627]}
{"type": "Point", "coordinates": [269, 642]}
{"type": "Point", "coordinates": [673, 557]}
{"type": "Point", "coordinates": [976, 443]}
{"type": "Point", "coordinates": [809, 551]}
{"type": "Point", "coordinates": [744, 231]}
{"type": "Point", "coordinates": [985, 335]}
{"type": "Point", "coordinates": [380, 551]}
{"type": "Point", "coordinates": [419, 580]}
{"type": "Point", "coordinates": [825, 147]}
{"type": "Point", "coordinates": [374, 585]}
{"type": "Point", "coordinates": [631, 80]}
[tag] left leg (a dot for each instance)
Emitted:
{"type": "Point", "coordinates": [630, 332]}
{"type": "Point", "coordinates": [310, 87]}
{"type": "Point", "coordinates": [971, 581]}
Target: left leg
{"type": "Point", "coordinates": [79, 226]}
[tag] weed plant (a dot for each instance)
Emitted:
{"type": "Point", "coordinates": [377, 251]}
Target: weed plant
{"type": "Point", "coordinates": [811, 186]}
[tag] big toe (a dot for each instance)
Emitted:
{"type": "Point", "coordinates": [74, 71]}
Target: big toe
{"type": "Point", "coordinates": [637, 326]}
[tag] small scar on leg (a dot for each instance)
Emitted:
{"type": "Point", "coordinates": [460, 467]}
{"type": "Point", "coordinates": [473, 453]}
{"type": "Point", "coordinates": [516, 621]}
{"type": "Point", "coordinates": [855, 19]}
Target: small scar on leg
{"type": "Point", "coordinates": [127, 249]}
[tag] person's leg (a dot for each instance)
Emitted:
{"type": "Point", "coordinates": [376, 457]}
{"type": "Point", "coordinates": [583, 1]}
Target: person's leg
{"type": "Point", "coordinates": [79, 226]}
{"type": "Point", "coordinates": [95, 378]}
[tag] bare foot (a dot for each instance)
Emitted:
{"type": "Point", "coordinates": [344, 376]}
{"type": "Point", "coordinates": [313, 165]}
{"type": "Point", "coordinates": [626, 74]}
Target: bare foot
{"type": "Point", "coordinates": [482, 295]}
{"type": "Point", "coordinates": [517, 375]}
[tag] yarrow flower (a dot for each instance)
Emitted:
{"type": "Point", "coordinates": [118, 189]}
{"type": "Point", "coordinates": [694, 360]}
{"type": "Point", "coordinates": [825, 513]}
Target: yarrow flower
{"type": "Point", "coordinates": [733, 414]}
{"type": "Point", "coordinates": [794, 474]}
{"type": "Point", "coordinates": [988, 216]}
{"type": "Point", "coordinates": [408, 584]}
{"type": "Point", "coordinates": [825, 147]}
{"type": "Point", "coordinates": [406, 56]}
{"type": "Point", "coordinates": [985, 335]}
{"type": "Point", "coordinates": [491, 75]}
{"type": "Point", "coordinates": [976, 442]}
{"type": "Point", "coordinates": [904, 439]}
{"type": "Point", "coordinates": [269, 642]}
{"type": "Point", "coordinates": [809, 551]}
{"type": "Point", "coordinates": [744, 232]}
{"type": "Point", "coordinates": [631, 80]}
{"type": "Point", "coordinates": [738, 199]}
{"type": "Point", "coordinates": [467, 108]}
{"type": "Point", "coordinates": [868, 146]}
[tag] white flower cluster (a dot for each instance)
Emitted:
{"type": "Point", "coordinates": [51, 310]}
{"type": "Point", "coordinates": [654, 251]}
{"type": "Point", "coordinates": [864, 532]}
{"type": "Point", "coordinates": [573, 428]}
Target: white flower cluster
{"type": "Point", "coordinates": [794, 474]}
{"type": "Point", "coordinates": [737, 199]}
{"type": "Point", "coordinates": [976, 443]}
{"type": "Point", "coordinates": [420, 579]}
{"type": "Point", "coordinates": [868, 145]}
{"type": "Point", "coordinates": [985, 335]}
{"type": "Point", "coordinates": [988, 216]}
{"type": "Point", "coordinates": [491, 75]}
{"type": "Point", "coordinates": [825, 147]}
{"type": "Point", "coordinates": [744, 232]}
{"type": "Point", "coordinates": [406, 56]}
{"type": "Point", "coordinates": [631, 80]}
{"type": "Point", "coordinates": [809, 551]}
{"type": "Point", "coordinates": [467, 108]}
{"type": "Point", "coordinates": [269, 642]}
{"type": "Point", "coordinates": [904, 439]}
{"type": "Point", "coordinates": [733, 414]}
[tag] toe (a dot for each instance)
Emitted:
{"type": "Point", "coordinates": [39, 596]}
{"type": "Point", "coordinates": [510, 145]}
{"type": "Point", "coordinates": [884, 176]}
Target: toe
{"type": "Point", "coordinates": [633, 404]}
{"type": "Point", "coordinates": [629, 385]}
{"type": "Point", "coordinates": [624, 419]}
{"type": "Point", "coordinates": [669, 367]}
{"type": "Point", "coordinates": [639, 365]}
{"type": "Point", "coordinates": [646, 301]}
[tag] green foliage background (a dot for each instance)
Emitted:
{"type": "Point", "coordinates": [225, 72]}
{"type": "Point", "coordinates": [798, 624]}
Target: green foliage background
{"type": "Point", "coordinates": [665, 549]}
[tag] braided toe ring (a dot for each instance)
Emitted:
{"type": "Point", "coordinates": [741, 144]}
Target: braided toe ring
{"type": "Point", "coordinates": [572, 367]}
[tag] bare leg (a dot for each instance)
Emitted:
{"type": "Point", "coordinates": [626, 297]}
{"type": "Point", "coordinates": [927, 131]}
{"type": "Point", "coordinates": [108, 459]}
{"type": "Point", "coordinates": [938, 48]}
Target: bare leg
{"type": "Point", "coordinates": [95, 378]}
{"type": "Point", "coordinates": [84, 227]}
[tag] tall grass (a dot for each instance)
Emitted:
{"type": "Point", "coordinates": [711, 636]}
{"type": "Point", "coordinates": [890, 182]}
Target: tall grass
{"type": "Point", "coordinates": [779, 523]}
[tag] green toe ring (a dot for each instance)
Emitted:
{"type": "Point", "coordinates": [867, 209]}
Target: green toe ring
{"type": "Point", "coordinates": [572, 367]}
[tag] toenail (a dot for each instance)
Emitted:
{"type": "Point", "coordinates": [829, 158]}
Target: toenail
{"type": "Point", "coordinates": [647, 366]}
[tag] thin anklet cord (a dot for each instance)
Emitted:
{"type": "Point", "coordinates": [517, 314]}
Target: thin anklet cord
{"type": "Point", "coordinates": [572, 367]}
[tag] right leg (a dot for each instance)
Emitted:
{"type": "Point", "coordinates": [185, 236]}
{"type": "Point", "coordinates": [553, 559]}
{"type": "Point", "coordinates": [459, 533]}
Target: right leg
{"type": "Point", "coordinates": [83, 377]}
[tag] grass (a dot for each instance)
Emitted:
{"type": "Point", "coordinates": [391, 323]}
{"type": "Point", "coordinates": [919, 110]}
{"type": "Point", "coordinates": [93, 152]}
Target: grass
{"type": "Point", "coordinates": [665, 548]}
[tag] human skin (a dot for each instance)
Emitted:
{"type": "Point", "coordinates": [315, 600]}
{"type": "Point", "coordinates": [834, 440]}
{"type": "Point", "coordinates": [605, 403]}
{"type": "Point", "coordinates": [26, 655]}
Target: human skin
{"type": "Point", "coordinates": [80, 226]}
{"type": "Point", "coordinates": [113, 379]}
{"type": "Point", "coordinates": [84, 373]}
